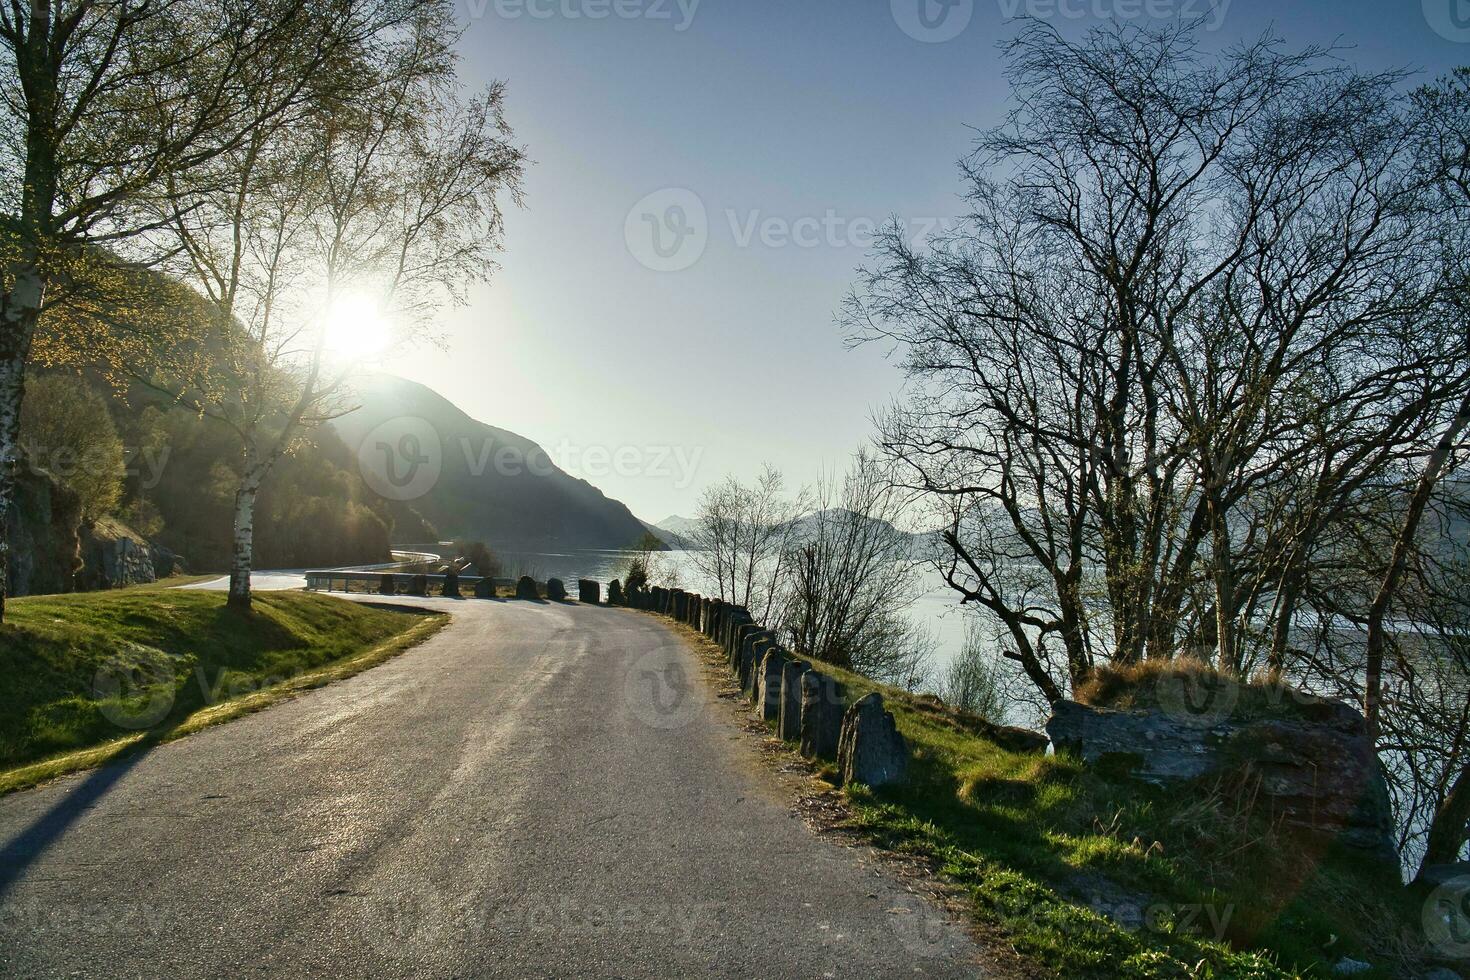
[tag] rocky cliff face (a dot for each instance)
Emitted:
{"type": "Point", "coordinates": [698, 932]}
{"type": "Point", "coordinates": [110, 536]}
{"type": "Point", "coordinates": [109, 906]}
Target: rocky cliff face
{"type": "Point", "coordinates": [52, 551]}
{"type": "Point", "coordinates": [44, 546]}
{"type": "Point", "coordinates": [113, 556]}
{"type": "Point", "coordinates": [1316, 773]}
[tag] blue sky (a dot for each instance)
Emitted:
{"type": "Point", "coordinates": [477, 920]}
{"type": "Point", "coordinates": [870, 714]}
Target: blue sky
{"type": "Point", "coordinates": [795, 125]}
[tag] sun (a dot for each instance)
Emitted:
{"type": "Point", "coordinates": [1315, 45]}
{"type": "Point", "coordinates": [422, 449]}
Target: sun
{"type": "Point", "coordinates": [355, 325]}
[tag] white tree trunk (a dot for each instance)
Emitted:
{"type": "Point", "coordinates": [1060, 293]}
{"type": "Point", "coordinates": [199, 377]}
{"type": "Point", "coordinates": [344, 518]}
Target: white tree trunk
{"type": "Point", "coordinates": [242, 557]}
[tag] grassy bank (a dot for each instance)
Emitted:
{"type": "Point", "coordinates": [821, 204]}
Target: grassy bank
{"type": "Point", "coordinates": [1092, 877]}
{"type": "Point", "coordinates": [90, 676]}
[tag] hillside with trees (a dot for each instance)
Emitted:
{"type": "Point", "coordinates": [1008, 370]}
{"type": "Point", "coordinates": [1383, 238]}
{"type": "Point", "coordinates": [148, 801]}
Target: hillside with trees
{"type": "Point", "coordinates": [491, 483]}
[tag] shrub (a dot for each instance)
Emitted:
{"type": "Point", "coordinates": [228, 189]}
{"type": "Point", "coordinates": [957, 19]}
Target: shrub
{"type": "Point", "coordinates": [971, 683]}
{"type": "Point", "coordinates": [480, 555]}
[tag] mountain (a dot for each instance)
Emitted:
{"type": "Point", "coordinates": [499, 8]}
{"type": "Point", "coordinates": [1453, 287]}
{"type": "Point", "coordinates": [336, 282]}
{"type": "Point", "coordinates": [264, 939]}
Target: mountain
{"type": "Point", "coordinates": [473, 480]}
{"type": "Point", "coordinates": [684, 527]}
{"type": "Point", "coordinates": [681, 532]}
{"type": "Point", "coordinates": [676, 532]}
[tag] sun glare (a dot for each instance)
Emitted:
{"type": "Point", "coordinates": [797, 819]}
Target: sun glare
{"type": "Point", "coordinates": [356, 325]}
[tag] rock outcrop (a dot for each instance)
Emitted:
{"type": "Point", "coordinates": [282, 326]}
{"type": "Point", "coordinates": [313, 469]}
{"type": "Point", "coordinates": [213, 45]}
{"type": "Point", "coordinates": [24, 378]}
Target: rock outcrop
{"type": "Point", "coordinates": [1315, 770]}
{"type": "Point", "coordinates": [871, 751]}
{"type": "Point", "coordinates": [45, 550]}
{"type": "Point", "coordinates": [114, 556]}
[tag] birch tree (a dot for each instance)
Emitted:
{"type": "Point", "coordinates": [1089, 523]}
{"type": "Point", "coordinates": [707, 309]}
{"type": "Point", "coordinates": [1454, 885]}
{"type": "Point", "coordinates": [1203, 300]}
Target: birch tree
{"type": "Point", "coordinates": [854, 576]}
{"type": "Point", "coordinates": [741, 541]}
{"type": "Point", "coordinates": [383, 193]}
{"type": "Point", "coordinates": [106, 108]}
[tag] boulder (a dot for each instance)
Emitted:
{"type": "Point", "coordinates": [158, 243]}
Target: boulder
{"type": "Point", "coordinates": [870, 750]}
{"type": "Point", "coordinates": [485, 588]}
{"type": "Point", "coordinates": [788, 719]}
{"type": "Point", "coordinates": [113, 556]}
{"type": "Point", "coordinates": [556, 589]}
{"type": "Point", "coordinates": [451, 584]}
{"type": "Point", "coordinates": [387, 584]}
{"type": "Point", "coordinates": [1012, 739]}
{"type": "Point", "coordinates": [615, 593]}
{"type": "Point", "coordinates": [821, 715]}
{"type": "Point", "coordinates": [768, 693]}
{"type": "Point", "coordinates": [165, 561]}
{"type": "Point", "coordinates": [589, 591]}
{"type": "Point", "coordinates": [1317, 774]}
{"type": "Point", "coordinates": [418, 585]}
{"type": "Point", "coordinates": [526, 588]}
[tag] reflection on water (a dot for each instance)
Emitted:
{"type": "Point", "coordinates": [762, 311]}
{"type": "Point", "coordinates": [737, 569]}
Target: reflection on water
{"type": "Point", "coordinates": [938, 609]}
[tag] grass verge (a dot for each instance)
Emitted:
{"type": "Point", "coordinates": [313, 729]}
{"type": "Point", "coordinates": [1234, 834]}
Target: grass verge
{"type": "Point", "coordinates": [91, 677]}
{"type": "Point", "coordinates": [1091, 877]}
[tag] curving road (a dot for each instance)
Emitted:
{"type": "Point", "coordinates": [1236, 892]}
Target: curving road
{"type": "Point", "coordinates": [541, 790]}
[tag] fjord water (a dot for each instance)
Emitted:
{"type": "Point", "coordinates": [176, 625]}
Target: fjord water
{"type": "Point", "coordinates": [937, 609]}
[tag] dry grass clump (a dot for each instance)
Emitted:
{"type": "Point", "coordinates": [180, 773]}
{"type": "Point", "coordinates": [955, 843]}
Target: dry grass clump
{"type": "Point", "coordinates": [1191, 684]}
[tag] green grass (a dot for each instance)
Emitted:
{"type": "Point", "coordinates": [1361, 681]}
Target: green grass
{"type": "Point", "coordinates": [1091, 877]}
{"type": "Point", "coordinates": [91, 676]}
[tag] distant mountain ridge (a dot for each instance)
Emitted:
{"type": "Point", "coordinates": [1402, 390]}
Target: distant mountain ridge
{"type": "Point", "coordinates": [470, 479]}
{"type": "Point", "coordinates": [683, 532]}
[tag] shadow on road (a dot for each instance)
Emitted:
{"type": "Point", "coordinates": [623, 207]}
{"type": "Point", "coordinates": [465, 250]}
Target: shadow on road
{"type": "Point", "coordinates": [22, 850]}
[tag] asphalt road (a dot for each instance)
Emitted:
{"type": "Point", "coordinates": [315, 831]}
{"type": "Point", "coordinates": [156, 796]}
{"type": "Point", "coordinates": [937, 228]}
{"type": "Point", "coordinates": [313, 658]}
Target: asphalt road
{"type": "Point", "coordinates": [541, 790]}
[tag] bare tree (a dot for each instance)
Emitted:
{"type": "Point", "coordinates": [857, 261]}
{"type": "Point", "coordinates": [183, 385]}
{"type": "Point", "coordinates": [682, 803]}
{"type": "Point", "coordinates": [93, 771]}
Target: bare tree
{"type": "Point", "coordinates": [1185, 334]}
{"type": "Point", "coordinates": [741, 542]}
{"type": "Point", "coordinates": [853, 575]}
{"type": "Point", "coordinates": [971, 682]}
{"type": "Point", "coordinates": [385, 193]}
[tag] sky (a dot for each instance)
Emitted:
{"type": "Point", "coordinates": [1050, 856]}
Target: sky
{"type": "Point", "coordinates": [706, 175]}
